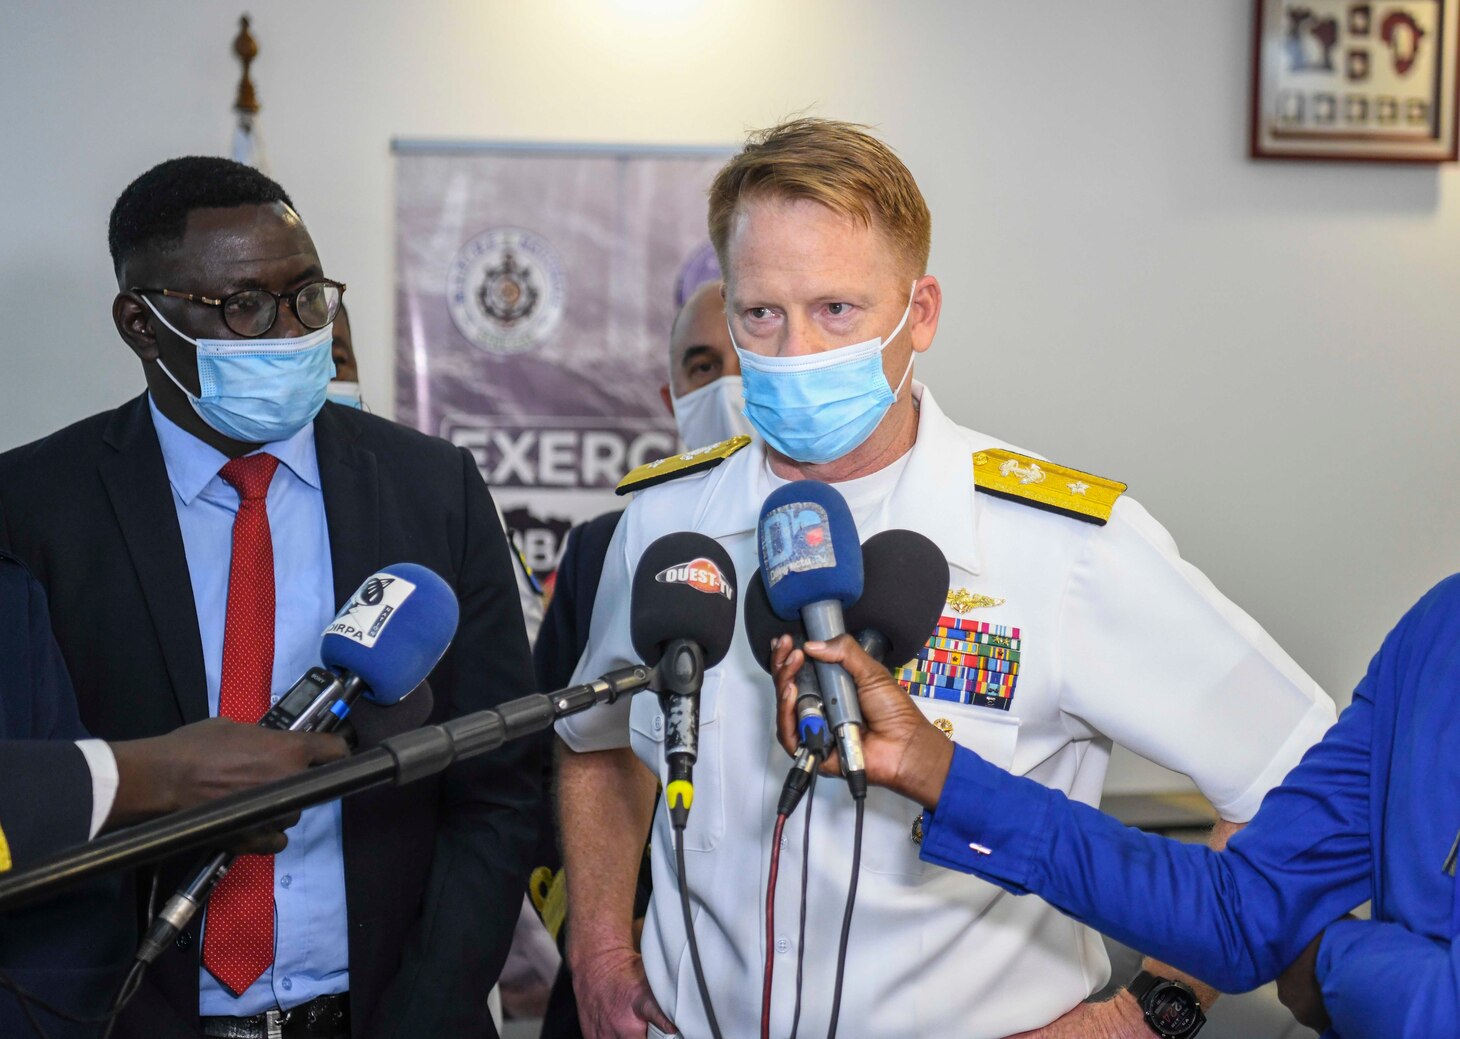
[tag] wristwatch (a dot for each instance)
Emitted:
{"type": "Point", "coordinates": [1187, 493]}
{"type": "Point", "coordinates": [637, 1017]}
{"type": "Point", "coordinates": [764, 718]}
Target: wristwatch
{"type": "Point", "coordinates": [1171, 1008]}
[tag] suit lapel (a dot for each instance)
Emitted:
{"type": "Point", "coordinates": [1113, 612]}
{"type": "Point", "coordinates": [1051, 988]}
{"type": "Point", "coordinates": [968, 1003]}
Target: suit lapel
{"type": "Point", "coordinates": [135, 478]}
{"type": "Point", "coordinates": [350, 483]}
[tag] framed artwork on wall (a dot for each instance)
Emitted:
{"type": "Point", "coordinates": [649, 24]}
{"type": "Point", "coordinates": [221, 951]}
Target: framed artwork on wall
{"type": "Point", "coordinates": [1365, 80]}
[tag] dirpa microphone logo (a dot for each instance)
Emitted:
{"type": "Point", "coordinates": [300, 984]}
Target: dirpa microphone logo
{"type": "Point", "coordinates": [700, 574]}
{"type": "Point", "coordinates": [374, 591]}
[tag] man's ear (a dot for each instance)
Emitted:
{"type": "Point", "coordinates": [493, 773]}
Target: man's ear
{"type": "Point", "coordinates": [668, 399]}
{"type": "Point", "coordinates": [927, 306]}
{"type": "Point", "coordinates": [134, 323]}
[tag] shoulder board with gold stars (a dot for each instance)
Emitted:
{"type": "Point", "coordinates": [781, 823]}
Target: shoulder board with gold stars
{"type": "Point", "coordinates": [1045, 485]}
{"type": "Point", "coordinates": [675, 466]}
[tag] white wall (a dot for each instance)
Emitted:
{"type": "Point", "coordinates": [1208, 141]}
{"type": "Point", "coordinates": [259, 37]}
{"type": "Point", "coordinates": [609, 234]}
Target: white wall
{"type": "Point", "coordinates": [1263, 351]}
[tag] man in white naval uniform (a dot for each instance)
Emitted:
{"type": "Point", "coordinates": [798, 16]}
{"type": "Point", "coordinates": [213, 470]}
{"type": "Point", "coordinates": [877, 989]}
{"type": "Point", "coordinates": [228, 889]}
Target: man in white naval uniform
{"type": "Point", "coordinates": [1071, 623]}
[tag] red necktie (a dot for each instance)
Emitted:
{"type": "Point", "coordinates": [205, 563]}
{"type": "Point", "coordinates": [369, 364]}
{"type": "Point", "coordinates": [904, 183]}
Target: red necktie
{"type": "Point", "coordinates": [238, 942]}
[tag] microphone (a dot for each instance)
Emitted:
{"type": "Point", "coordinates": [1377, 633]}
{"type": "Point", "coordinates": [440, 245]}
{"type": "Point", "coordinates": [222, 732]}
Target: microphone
{"type": "Point", "coordinates": [381, 645]}
{"type": "Point", "coordinates": [681, 622]}
{"type": "Point", "coordinates": [904, 589]}
{"type": "Point", "coordinates": [811, 562]}
{"type": "Point", "coordinates": [762, 627]}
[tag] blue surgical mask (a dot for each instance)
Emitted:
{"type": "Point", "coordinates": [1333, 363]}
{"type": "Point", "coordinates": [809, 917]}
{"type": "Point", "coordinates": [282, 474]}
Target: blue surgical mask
{"type": "Point", "coordinates": [346, 392]}
{"type": "Point", "coordinates": [259, 390]}
{"type": "Point", "coordinates": [818, 407]}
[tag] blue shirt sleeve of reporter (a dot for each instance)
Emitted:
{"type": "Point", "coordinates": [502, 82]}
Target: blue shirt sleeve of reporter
{"type": "Point", "coordinates": [988, 823]}
{"type": "Point", "coordinates": [1235, 919]}
{"type": "Point", "coordinates": [1383, 979]}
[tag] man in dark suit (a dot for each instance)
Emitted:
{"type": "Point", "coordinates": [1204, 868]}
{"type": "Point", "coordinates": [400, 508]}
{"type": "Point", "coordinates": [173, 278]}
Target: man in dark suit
{"type": "Point", "coordinates": [195, 541]}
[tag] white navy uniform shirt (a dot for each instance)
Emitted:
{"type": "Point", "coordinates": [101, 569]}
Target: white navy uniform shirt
{"type": "Point", "coordinates": [1120, 640]}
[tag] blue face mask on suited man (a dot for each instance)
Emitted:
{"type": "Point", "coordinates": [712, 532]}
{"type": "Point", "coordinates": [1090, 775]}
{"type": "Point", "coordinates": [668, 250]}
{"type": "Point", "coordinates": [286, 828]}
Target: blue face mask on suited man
{"type": "Point", "coordinates": [258, 390]}
{"type": "Point", "coordinates": [818, 407]}
{"type": "Point", "coordinates": [346, 392]}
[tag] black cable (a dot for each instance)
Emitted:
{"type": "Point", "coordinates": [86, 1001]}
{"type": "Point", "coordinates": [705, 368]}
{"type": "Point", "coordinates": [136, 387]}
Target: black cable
{"type": "Point", "coordinates": [124, 996]}
{"type": "Point", "coordinates": [29, 1002]}
{"type": "Point", "coordinates": [841, 950]}
{"type": "Point", "coordinates": [805, 886]}
{"type": "Point", "coordinates": [24, 998]}
{"type": "Point", "coordinates": [689, 930]}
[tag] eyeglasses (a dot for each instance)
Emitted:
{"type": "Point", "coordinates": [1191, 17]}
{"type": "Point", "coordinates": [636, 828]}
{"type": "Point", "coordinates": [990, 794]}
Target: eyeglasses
{"type": "Point", "coordinates": [252, 312]}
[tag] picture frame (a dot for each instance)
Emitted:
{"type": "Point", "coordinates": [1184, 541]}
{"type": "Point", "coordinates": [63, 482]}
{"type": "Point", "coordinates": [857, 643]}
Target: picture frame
{"type": "Point", "coordinates": [1355, 80]}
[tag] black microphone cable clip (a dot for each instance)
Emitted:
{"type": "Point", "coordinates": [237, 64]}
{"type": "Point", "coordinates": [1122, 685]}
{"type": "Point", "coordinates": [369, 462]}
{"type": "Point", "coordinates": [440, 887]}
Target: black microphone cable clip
{"type": "Point", "coordinates": [679, 678]}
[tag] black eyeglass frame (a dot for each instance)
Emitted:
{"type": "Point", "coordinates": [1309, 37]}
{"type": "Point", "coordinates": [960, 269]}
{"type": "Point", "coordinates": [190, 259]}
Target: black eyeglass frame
{"type": "Point", "coordinates": [291, 298]}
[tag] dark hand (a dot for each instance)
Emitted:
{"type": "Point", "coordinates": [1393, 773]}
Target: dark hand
{"type": "Point", "coordinates": [207, 760]}
{"type": "Point", "coordinates": [1299, 990]}
{"type": "Point", "coordinates": [904, 752]}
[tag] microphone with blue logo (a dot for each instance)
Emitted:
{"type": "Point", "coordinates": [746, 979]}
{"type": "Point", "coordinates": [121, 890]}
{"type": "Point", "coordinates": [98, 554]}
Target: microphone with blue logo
{"type": "Point", "coordinates": [811, 563]}
{"type": "Point", "coordinates": [380, 646]}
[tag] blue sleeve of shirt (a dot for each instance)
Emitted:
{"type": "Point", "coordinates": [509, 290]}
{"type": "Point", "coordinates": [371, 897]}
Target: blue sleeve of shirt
{"type": "Point", "coordinates": [1381, 979]}
{"type": "Point", "coordinates": [1234, 919]}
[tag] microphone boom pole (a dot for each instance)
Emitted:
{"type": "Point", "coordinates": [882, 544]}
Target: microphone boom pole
{"type": "Point", "coordinates": [401, 759]}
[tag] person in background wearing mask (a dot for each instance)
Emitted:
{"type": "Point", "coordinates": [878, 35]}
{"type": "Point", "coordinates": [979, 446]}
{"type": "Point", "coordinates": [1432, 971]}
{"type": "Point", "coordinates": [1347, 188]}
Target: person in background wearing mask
{"type": "Point", "coordinates": [703, 393]}
{"type": "Point", "coordinates": [195, 542]}
{"type": "Point", "coordinates": [1073, 619]}
{"type": "Point", "coordinates": [344, 388]}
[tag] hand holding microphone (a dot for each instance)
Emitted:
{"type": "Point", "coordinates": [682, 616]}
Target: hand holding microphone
{"type": "Point", "coordinates": [207, 760]}
{"type": "Point", "coordinates": [901, 749]}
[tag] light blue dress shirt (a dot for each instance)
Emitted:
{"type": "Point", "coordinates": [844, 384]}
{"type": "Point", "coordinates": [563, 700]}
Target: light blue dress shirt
{"type": "Point", "coordinates": [311, 934]}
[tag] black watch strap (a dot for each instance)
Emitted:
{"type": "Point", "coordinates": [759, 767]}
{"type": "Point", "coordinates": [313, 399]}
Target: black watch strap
{"type": "Point", "coordinates": [1143, 983]}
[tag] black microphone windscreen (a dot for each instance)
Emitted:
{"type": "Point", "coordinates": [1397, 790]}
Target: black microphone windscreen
{"type": "Point", "coordinates": [684, 588]}
{"type": "Point", "coordinates": [905, 585]}
{"type": "Point", "coordinates": [762, 624]}
{"type": "Point", "coordinates": [373, 723]}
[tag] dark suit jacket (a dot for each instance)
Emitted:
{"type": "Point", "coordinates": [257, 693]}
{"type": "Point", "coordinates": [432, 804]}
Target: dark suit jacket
{"type": "Point", "coordinates": [564, 632]}
{"type": "Point", "coordinates": [434, 871]}
{"type": "Point", "coordinates": [70, 950]}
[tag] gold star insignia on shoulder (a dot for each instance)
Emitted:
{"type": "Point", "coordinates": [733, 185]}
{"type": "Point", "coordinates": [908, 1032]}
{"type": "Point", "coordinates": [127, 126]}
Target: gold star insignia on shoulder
{"type": "Point", "coordinates": [1045, 485]}
{"type": "Point", "coordinates": [961, 600]}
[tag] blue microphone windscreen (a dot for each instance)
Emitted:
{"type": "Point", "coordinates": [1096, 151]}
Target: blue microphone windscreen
{"type": "Point", "coordinates": [809, 549]}
{"type": "Point", "coordinates": [393, 630]}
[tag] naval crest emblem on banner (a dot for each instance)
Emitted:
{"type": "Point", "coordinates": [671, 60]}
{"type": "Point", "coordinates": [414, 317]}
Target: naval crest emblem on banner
{"type": "Point", "coordinates": [506, 291]}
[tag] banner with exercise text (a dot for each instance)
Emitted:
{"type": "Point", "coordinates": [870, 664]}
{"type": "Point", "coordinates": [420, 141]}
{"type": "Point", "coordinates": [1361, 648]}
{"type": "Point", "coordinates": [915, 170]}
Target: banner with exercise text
{"type": "Point", "coordinates": [535, 289]}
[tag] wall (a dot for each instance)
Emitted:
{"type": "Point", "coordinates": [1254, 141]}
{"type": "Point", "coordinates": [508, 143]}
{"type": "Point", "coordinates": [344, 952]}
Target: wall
{"type": "Point", "coordinates": [1263, 351]}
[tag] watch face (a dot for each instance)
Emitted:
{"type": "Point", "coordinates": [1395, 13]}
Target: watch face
{"type": "Point", "coordinates": [1172, 1010]}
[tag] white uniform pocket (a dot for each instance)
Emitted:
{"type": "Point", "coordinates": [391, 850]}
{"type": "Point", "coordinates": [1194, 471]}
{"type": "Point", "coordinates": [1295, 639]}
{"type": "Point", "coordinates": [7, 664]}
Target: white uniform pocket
{"type": "Point", "coordinates": [646, 736]}
{"type": "Point", "coordinates": [889, 845]}
{"type": "Point", "coordinates": [656, 1033]}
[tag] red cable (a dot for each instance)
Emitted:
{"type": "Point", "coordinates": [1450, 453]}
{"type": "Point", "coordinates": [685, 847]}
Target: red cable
{"type": "Point", "coordinates": [770, 930]}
